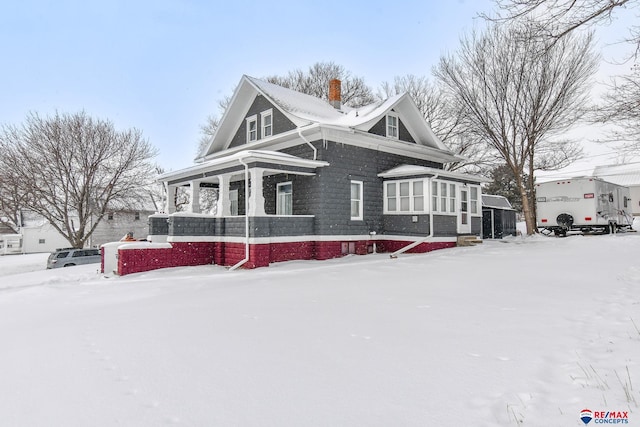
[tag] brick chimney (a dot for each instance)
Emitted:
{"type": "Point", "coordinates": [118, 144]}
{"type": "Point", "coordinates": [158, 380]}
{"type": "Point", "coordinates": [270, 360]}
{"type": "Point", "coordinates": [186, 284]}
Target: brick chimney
{"type": "Point", "coordinates": [335, 94]}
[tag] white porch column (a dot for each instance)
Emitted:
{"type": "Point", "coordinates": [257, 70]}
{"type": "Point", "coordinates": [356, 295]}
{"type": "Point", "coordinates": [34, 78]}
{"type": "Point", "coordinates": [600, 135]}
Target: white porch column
{"type": "Point", "coordinates": [194, 205]}
{"type": "Point", "coordinates": [171, 198]}
{"type": "Point", "coordinates": [223, 206]}
{"type": "Point", "coordinates": [256, 198]}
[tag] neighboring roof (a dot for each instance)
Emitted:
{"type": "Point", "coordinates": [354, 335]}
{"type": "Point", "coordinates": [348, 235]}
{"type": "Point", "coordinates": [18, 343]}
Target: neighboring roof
{"type": "Point", "coordinates": [304, 110]}
{"type": "Point", "coordinates": [627, 174]}
{"type": "Point", "coordinates": [499, 202]}
{"type": "Point", "coordinates": [415, 170]}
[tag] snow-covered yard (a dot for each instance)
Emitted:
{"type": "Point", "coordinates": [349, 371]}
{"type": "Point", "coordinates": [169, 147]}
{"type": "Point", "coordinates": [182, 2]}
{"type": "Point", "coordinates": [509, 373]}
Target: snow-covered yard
{"type": "Point", "coordinates": [524, 332]}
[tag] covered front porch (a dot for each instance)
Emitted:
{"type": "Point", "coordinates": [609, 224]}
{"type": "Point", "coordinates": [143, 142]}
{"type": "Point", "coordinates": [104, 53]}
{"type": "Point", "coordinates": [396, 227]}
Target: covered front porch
{"type": "Point", "coordinates": [250, 222]}
{"type": "Point", "coordinates": [229, 177]}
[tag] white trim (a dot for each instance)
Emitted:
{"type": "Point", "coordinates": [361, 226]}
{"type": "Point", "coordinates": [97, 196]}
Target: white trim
{"type": "Point", "coordinates": [307, 238]}
{"type": "Point", "coordinates": [448, 198]}
{"type": "Point", "coordinates": [391, 114]}
{"type": "Point", "coordinates": [264, 114]}
{"type": "Point", "coordinates": [248, 121]}
{"type": "Point", "coordinates": [360, 200]}
{"type": "Point", "coordinates": [414, 170]}
{"type": "Point", "coordinates": [231, 160]}
{"type": "Point", "coordinates": [411, 196]}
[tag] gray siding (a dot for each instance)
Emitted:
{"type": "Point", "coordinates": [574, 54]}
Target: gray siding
{"type": "Point", "coordinates": [404, 225]}
{"type": "Point", "coordinates": [158, 226]}
{"type": "Point", "coordinates": [280, 122]}
{"type": "Point", "coordinates": [327, 194]}
{"type": "Point", "coordinates": [380, 128]}
{"type": "Point", "coordinates": [476, 225]}
{"type": "Point", "coordinates": [272, 226]}
{"type": "Point", "coordinates": [445, 225]}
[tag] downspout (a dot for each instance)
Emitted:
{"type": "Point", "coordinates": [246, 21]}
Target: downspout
{"type": "Point", "coordinates": [424, 239]}
{"type": "Point", "coordinates": [246, 216]}
{"type": "Point", "coordinates": [315, 150]}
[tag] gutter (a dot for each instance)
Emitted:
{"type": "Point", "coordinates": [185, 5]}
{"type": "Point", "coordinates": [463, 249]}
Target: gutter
{"type": "Point", "coordinates": [246, 216]}
{"type": "Point", "coordinates": [422, 240]}
{"type": "Point", "coordinates": [315, 150]}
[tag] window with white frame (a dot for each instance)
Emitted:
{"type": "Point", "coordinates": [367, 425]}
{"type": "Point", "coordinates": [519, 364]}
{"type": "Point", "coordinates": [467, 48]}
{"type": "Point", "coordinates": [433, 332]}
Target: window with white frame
{"type": "Point", "coordinates": [284, 199]}
{"type": "Point", "coordinates": [392, 125]}
{"type": "Point", "coordinates": [233, 198]}
{"type": "Point", "coordinates": [473, 200]}
{"type": "Point", "coordinates": [405, 196]}
{"type": "Point", "coordinates": [252, 128]}
{"type": "Point", "coordinates": [452, 198]}
{"type": "Point", "coordinates": [356, 200]}
{"type": "Point", "coordinates": [443, 197]}
{"type": "Point", "coordinates": [434, 196]}
{"type": "Point", "coordinates": [266, 118]}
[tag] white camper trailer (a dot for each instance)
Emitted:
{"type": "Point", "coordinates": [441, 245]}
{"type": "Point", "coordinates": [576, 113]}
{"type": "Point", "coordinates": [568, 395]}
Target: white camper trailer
{"type": "Point", "coordinates": [584, 204]}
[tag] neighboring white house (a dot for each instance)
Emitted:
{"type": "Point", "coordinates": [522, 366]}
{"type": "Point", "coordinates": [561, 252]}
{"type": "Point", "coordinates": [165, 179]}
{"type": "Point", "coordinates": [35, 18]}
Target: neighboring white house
{"type": "Point", "coordinates": [627, 175]}
{"type": "Point", "coordinates": [36, 234]}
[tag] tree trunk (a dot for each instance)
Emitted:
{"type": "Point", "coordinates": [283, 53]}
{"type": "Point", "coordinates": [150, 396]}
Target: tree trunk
{"type": "Point", "coordinates": [527, 211]}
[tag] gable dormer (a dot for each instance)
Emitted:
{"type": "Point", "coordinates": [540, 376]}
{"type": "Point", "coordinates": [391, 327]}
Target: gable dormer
{"type": "Point", "coordinates": [392, 127]}
{"type": "Point", "coordinates": [262, 120]}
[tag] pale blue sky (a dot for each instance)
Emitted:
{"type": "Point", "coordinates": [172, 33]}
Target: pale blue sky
{"type": "Point", "coordinates": [161, 65]}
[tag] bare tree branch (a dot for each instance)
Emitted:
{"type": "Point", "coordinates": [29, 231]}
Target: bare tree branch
{"type": "Point", "coordinates": [522, 94]}
{"type": "Point", "coordinates": [71, 169]}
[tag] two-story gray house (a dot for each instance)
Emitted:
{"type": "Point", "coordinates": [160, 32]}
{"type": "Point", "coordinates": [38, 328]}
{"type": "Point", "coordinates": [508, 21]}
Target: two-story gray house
{"type": "Point", "coordinates": [298, 177]}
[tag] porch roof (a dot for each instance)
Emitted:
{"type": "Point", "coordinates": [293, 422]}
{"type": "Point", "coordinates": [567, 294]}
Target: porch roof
{"type": "Point", "coordinates": [404, 171]}
{"type": "Point", "coordinates": [280, 161]}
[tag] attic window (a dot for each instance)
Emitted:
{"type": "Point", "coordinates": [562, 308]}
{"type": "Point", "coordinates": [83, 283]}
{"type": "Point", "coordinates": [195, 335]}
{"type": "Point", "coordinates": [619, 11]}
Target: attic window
{"type": "Point", "coordinates": [392, 125]}
{"type": "Point", "coordinates": [266, 118]}
{"type": "Point", "coordinates": [252, 128]}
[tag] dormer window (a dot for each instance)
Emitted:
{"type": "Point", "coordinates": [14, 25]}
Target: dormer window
{"type": "Point", "coordinates": [252, 128]}
{"type": "Point", "coordinates": [266, 118]}
{"type": "Point", "coordinates": [392, 125]}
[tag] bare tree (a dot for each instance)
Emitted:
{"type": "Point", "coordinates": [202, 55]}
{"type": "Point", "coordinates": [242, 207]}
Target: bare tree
{"type": "Point", "coordinates": [72, 169]}
{"type": "Point", "coordinates": [621, 109]}
{"type": "Point", "coordinates": [557, 18]}
{"type": "Point", "coordinates": [315, 82]}
{"type": "Point", "coordinates": [11, 201]}
{"type": "Point", "coordinates": [522, 94]}
{"type": "Point", "coordinates": [207, 130]}
{"type": "Point", "coordinates": [446, 118]}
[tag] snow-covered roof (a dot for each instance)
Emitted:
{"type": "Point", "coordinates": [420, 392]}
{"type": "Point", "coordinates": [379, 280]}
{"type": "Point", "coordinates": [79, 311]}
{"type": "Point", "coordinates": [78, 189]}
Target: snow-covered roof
{"type": "Point", "coordinates": [415, 170]}
{"type": "Point", "coordinates": [303, 110]}
{"type": "Point", "coordinates": [626, 174]}
{"type": "Point", "coordinates": [491, 201]}
{"type": "Point", "coordinates": [247, 156]}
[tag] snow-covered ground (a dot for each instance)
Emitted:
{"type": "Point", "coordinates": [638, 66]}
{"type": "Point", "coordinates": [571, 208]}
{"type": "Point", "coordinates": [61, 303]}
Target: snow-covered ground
{"type": "Point", "coordinates": [521, 332]}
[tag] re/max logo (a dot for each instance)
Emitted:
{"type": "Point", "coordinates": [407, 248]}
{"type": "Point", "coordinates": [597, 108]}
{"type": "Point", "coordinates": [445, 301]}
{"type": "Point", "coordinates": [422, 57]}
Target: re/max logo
{"type": "Point", "coordinates": [613, 414]}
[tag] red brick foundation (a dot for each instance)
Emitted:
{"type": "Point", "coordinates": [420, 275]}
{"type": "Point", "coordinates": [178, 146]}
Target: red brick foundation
{"type": "Point", "coordinates": [260, 255]}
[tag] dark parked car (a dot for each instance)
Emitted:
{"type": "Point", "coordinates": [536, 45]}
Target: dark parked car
{"type": "Point", "coordinates": [67, 257]}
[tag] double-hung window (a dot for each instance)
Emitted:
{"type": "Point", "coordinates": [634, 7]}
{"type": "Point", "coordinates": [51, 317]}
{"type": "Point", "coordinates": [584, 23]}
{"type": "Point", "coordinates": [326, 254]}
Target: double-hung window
{"type": "Point", "coordinates": [473, 200]}
{"type": "Point", "coordinates": [392, 126]}
{"type": "Point", "coordinates": [356, 200]}
{"type": "Point", "coordinates": [252, 128]}
{"type": "Point", "coordinates": [233, 199]}
{"type": "Point", "coordinates": [284, 199]}
{"type": "Point", "coordinates": [404, 196]}
{"type": "Point", "coordinates": [443, 197]}
{"type": "Point", "coordinates": [266, 118]}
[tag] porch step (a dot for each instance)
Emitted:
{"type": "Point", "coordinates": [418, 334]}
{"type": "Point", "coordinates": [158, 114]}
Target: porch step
{"type": "Point", "coordinates": [468, 240]}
